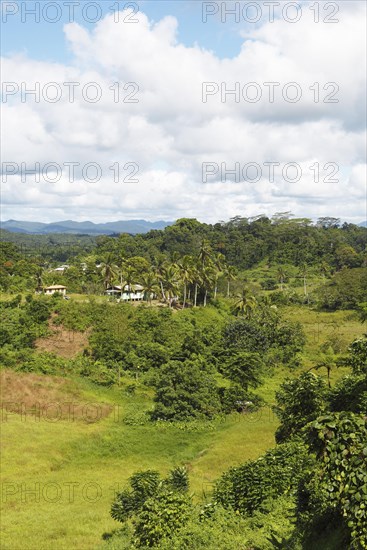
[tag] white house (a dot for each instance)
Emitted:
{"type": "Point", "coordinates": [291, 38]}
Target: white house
{"type": "Point", "coordinates": [55, 288]}
{"type": "Point", "coordinates": [61, 269]}
{"type": "Point", "coordinates": [124, 293]}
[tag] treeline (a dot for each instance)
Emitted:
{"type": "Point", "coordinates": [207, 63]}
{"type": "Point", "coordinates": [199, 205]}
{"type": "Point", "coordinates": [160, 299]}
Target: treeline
{"type": "Point", "coordinates": [245, 242]}
{"type": "Point", "coordinates": [190, 262]}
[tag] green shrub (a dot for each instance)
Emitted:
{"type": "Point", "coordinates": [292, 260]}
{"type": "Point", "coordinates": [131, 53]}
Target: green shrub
{"type": "Point", "coordinates": [277, 472]}
{"type": "Point", "coordinates": [299, 402]}
{"type": "Point", "coordinates": [339, 484]}
{"type": "Point", "coordinates": [160, 517]}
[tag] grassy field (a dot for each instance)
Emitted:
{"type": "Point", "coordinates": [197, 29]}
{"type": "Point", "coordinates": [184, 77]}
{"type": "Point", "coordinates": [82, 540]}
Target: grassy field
{"type": "Point", "coordinates": [78, 465]}
{"type": "Point", "coordinates": [60, 471]}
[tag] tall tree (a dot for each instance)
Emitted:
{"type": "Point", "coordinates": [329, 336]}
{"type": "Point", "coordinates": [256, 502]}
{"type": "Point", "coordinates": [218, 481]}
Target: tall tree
{"type": "Point", "coordinates": [229, 272]}
{"type": "Point", "coordinates": [246, 303]}
{"type": "Point", "coordinates": [150, 285]}
{"type": "Point", "coordinates": [208, 280]}
{"type": "Point", "coordinates": [282, 275]}
{"type": "Point", "coordinates": [129, 275]}
{"type": "Point", "coordinates": [108, 271]}
{"type": "Point", "coordinates": [303, 271]}
{"type": "Point", "coordinates": [170, 282]}
{"type": "Point", "coordinates": [39, 279]}
{"type": "Point", "coordinates": [219, 263]}
{"type": "Point", "coordinates": [158, 268]}
{"type": "Point", "coordinates": [205, 253]}
{"type": "Point", "coordinates": [186, 274]}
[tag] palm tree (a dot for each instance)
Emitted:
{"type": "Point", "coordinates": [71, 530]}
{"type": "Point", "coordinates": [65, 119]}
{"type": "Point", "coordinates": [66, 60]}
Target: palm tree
{"type": "Point", "coordinates": [108, 271]}
{"type": "Point", "coordinates": [246, 303]}
{"type": "Point", "coordinates": [197, 281]}
{"type": "Point", "coordinates": [229, 273]}
{"type": "Point", "coordinates": [170, 282]}
{"type": "Point", "coordinates": [282, 275]}
{"type": "Point", "coordinates": [129, 277]}
{"type": "Point", "coordinates": [150, 286]}
{"type": "Point", "coordinates": [185, 269]}
{"type": "Point", "coordinates": [219, 265]}
{"type": "Point", "coordinates": [39, 279]}
{"type": "Point", "coordinates": [328, 361]}
{"type": "Point", "coordinates": [158, 269]}
{"type": "Point", "coordinates": [121, 273]}
{"type": "Point", "coordinates": [303, 274]}
{"type": "Point", "coordinates": [207, 277]}
{"type": "Point", "coordinates": [204, 252]}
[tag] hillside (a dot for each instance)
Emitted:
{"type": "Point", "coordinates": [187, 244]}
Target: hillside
{"type": "Point", "coordinates": [205, 402]}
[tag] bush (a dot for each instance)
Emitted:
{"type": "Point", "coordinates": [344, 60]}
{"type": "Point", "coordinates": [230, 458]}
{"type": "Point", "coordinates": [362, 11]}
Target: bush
{"type": "Point", "coordinates": [275, 473]}
{"type": "Point", "coordinates": [349, 394]}
{"type": "Point", "coordinates": [158, 508]}
{"type": "Point", "coordinates": [299, 402]}
{"type": "Point", "coordinates": [269, 284]}
{"type": "Point", "coordinates": [183, 391]}
{"type": "Point", "coordinates": [345, 291]}
{"type": "Point", "coordinates": [357, 356]}
{"type": "Point", "coordinates": [339, 440]}
{"type": "Point", "coordinates": [160, 517]}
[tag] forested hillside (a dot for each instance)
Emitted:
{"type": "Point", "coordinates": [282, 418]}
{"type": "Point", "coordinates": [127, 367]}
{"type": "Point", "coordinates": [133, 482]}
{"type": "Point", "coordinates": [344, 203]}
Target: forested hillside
{"type": "Point", "coordinates": [226, 408]}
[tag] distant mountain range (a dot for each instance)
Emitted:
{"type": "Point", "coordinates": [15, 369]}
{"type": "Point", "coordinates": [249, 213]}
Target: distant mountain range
{"type": "Point", "coordinates": [83, 228]}
{"type": "Point", "coordinates": [88, 228]}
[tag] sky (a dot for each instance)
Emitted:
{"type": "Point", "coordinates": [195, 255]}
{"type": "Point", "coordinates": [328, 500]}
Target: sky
{"type": "Point", "coordinates": [160, 110]}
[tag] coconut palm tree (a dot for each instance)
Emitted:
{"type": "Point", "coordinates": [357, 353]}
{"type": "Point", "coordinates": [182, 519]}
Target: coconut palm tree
{"type": "Point", "coordinates": [185, 270]}
{"type": "Point", "coordinates": [108, 271]}
{"type": "Point", "coordinates": [229, 272]}
{"type": "Point", "coordinates": [246, 303]}
{"type": "Point", "coordinates": [197, 280]}
{"type": "Point", "coordinates": [129, 275]}
{"type": "Point", "coordinates": [150, 285]}
{"type": "Point", "coordinates": [303, 273]}
{"type": "Point", "coordinates": [205, 253]}
{"type": "Point", "coordinates": [207, 274]}
{"type": "Point", "coordinates": [219, 263]}
{"type": "Point", "coordinates": [158, 269]}
{"type": "Point", "coordinates": [170, 282]}
{"type": "Point", "coordinates": [282, 275]}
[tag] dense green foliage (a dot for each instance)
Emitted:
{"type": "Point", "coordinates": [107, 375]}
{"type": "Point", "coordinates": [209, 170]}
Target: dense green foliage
{"type": "Point", "coordinates": [158, 507]}
{"type": "Point", "coordinates": [196, 261]}
{"type": "Point", "coordinates": [276, 473]}
{"type": "Point", "coordinates": [299, 402]}
{"type": "Point", "coordinates": [317, 474]}
{"type": "Point", "coordinates": [339, 483]}
{"type": "Point", "coordinates": [184, 390]}
{"type": "Point", "coordinates": [345, 290]}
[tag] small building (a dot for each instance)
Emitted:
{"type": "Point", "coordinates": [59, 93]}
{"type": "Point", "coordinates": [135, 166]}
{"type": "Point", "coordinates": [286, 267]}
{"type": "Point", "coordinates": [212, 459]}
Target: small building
{"type": "Point", "coordinates": [136, 293]}
{"type": "Point", "coordinates": [61, 269]}
{"type": "Point", "coordinates": [55, 288]}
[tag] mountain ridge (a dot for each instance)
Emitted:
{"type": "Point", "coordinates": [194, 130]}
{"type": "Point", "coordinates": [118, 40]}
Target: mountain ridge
{"type": "Point", "coordinates": [89, 228]}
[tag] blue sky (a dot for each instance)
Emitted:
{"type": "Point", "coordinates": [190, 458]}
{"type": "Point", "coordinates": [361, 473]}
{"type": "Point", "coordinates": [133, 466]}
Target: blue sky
{"type": "Point", "coordinates": [45, 40]}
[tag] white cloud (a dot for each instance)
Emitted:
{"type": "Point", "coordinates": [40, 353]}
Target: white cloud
{"type": "Point", "coordinates": [170, 126]}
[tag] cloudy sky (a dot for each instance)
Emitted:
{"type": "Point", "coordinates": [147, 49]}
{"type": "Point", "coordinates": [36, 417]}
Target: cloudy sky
{"type": "Point", "coordinates": [162, 110]}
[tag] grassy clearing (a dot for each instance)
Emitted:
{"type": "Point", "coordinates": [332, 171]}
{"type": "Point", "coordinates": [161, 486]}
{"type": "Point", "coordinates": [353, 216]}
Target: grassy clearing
{"type": "Point", "coordinates": [78, 465]}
